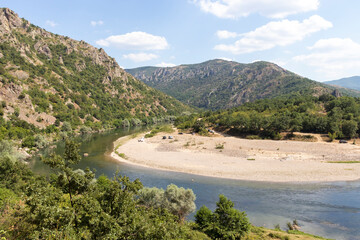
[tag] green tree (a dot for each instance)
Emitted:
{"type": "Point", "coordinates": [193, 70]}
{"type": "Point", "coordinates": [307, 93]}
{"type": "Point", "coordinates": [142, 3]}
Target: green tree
{"type": "Point", "coordinates": [71, 182]}
{"type": "Point", "coordinates": [66, 127]}
{"type": "Point", "coordinates": [349, 128]}
{"type": "Point", "coordinates": [225, 222]}
{"type": "Point", "coordinates": [178, 201]}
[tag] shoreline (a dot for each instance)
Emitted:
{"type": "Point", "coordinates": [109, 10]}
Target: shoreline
{"type": "Point", "coordinates": [242, 159]}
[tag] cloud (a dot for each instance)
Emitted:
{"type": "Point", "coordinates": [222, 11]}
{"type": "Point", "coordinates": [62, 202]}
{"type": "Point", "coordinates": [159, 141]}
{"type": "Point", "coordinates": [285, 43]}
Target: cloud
{"type": "Point", "coordinates": [276, 33]}
{"type": "Point", "coordinates": [96, 23]}
{"type": "Point", "coordinates": [164, 64]}
{"type": "Point", "coordinates": [223, 34]}
{"type": "Point", "coordinates": [234, 9]}
{"type": "Point", "coordinates": [333, 57]}
{"type": "Point", "coordinates": [135, 41]}
{"type": "Point", "coordinates": [225, 58]}
{"type": "Point", "coordinates": [140, 57]}
{"type": "Point", "coordinates": [51, 23]}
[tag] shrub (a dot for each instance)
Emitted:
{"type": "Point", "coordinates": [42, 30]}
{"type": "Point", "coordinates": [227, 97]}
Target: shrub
{"type": "Point", "coordinates": [225, 222]}
{"type": "Point", "coordinates": [219, 146]}
{"type": "Point", "coordinates": [28, 142]}
{"type": "Point", "coordinates": [253, 137]}
{"type": "Point", "coordinates": [66, 127]}
{"type": "Point", "coordinates": [40, 141]}
{"type": "Point", "coordinates": [21, 96]}
{"type": "Point", "coordinates": [85, 129]}
{"type": "Point", "coordinates": [332, 136]}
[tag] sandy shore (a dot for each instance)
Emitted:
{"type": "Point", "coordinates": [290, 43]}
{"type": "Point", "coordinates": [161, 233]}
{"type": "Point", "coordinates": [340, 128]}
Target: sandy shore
{"type": "Point", "coordinates": [255, 160]}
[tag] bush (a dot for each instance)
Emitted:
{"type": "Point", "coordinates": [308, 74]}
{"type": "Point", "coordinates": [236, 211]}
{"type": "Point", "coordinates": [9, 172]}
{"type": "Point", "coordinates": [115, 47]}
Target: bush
{"type": "Point", "coordinates": [219, 146]}
{"type": "Point", "coordinates": [85, 130]}
{"type": "Point", "coordinates": [40, 141]}
{"type": "Point", "coordinates": [66, 127]}
{"type": "Point", "coordinates": [125, 123]}
{"type": "Point", "coordinates": [225, 222]}
{"type": "Point", "coordinates": [253, 137]}
{"type": "Point", "coordinates": [7, 150]}
{"type": "Point", "coordinates": [29, 142]}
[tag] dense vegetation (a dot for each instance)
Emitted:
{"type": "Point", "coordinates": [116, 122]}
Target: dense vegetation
{"type": "Point", "coordinates": [73, 204]}
{"type": "Point", "coordinates": [95, 106]}
{"type": "Point", "coordinates": [338, 117]}
{"type": "Point", "coordinates": [219, 84]}
{"type": "Point", "coordinates": [53, 85]}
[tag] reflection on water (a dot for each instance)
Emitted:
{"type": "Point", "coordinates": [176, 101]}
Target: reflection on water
{"type": "Point", "coordinates": [327, 209]}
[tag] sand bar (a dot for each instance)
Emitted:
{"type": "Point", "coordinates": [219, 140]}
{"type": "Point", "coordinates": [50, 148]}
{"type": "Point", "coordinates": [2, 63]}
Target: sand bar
{"type": "Point", "coordinates": [243, 159]}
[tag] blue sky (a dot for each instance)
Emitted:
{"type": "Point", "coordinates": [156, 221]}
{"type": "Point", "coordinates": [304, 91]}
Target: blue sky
{"type": "Point", "coordinates": [318, 39]}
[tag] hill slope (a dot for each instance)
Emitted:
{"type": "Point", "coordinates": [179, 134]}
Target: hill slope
{"type": "Point", "coordinates": [350, 82]}
{"type": "Point", "coordinates": [219, 84]}
{"type": "Point", "coordinates": [45, 76]}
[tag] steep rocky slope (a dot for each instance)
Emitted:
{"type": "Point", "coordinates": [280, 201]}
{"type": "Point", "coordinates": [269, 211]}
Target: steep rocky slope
{"type": "Point", "coordinates": [219, 84]}
{"type": "Point", "coordinates": [45, 76]}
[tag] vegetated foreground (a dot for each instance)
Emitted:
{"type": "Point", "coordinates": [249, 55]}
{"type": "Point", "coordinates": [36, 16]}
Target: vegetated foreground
{"type": "Point", "coordinates": [73, 204]}
{"type": "Point", "coordinates": [235, 158]}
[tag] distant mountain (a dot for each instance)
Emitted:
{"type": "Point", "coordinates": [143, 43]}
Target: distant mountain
{"type": "Point", "coordinates": [350, 82]}
{"type": "Point", "coordinates": [46, 77]}
{"type": "Point", "coordinates": [218, 84]}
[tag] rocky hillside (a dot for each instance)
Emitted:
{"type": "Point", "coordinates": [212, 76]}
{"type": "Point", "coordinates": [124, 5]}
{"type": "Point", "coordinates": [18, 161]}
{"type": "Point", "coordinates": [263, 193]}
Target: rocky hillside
{"type": "Point", "coordinates": [46, 78]}
{"type": "Point", "coordinates": [217, 84]}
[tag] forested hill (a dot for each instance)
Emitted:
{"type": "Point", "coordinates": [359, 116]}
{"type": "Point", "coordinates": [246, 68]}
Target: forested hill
{"type": "Point", "coordinates": [350, 82]}
{"type": "Point", "coordinates": [47, 78]}
{"type": "Point", "coordinates": [218, 84]}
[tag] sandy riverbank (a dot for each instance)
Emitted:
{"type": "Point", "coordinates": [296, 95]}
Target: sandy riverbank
{"type": "Point", "coordinates": [256, 160]}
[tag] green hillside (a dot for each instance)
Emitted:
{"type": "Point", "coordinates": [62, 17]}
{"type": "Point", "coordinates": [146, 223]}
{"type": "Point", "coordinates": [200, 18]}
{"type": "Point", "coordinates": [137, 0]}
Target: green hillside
{"type": "Point", "coordinates": [350, 82]}
{"type": "Point", "coordinates": [218, 84]}
{"type": "Point", "coordinates": [48, 79]}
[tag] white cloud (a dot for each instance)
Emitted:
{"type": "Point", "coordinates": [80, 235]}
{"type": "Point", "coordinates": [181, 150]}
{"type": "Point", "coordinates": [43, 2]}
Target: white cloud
{"type": "Point", "coordinates": [135, 41]}
{"type": "Point", "coordinates": [223, 34]}
{"type": "Point", "coordinates": [279, 62]}
{"type": "Point", "coordinates": [140, 57]}
{"type": "Point", "coordinates": [225, 58]}
{"type": "Point", "coordinates": [333, 58]}
{"type": "Point", "coordinates": [51, 23]}
{"type": "Point", "coordinates": [277, 33]}
{"type": "Point", "coordinates": [270, 8]}
{"type": "Point", "coordinates": [164, 64]}
{"type": "Point", "coordinates": [96, 23]}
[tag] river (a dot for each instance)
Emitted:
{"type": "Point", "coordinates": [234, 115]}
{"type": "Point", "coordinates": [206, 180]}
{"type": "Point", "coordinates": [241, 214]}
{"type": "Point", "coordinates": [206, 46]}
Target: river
{"type": "Point", "coordinates": [330, 210]}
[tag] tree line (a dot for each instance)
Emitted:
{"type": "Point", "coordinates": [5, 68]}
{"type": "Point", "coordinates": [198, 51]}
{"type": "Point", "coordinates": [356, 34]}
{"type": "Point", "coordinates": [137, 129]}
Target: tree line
{"type": "Point", "coordinates": [267, 118]}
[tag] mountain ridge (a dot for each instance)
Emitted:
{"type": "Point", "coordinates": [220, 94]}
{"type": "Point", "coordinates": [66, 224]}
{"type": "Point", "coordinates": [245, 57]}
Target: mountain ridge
{"type": "Point", "coordinates": [349, 82]}
{"type": "Point", "coordinates": [218, 83]}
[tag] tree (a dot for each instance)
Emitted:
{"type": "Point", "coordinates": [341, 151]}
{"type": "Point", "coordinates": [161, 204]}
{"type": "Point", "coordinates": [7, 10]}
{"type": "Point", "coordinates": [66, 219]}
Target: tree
{"type": "Point", "coordinates": [66, 127]}
{"type": "Point", "coordinates": [178, 201]}
{"type": "Point", "coordinates": [225, 222]}
{"type": "Point", "coordinates": [349, 128]}
{"type": "Point", "coordinates": [70, 181]}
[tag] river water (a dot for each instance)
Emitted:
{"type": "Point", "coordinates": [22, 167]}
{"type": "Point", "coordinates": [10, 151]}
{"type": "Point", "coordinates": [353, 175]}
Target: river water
{"type": "Point", "coordinates": [330, 210]}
